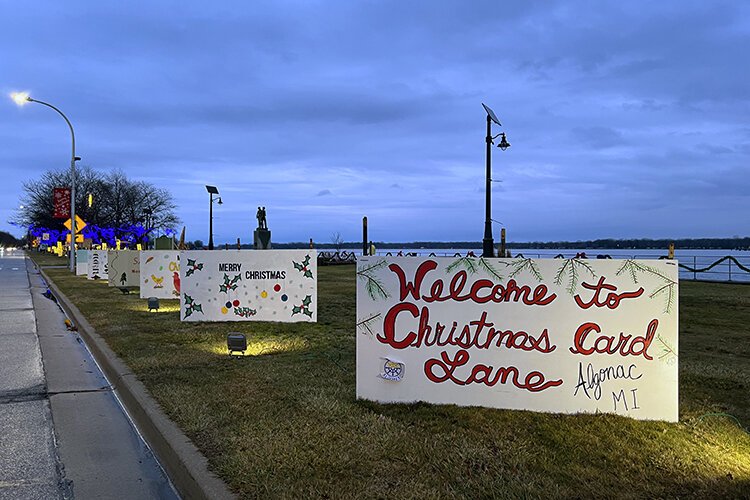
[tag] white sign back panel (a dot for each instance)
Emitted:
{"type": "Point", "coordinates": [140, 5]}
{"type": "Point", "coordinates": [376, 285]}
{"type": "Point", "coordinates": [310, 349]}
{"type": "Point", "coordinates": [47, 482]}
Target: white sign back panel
{"type": "Point", "coordinates": [82, 262]}
{"type": "Point", "coordinates": [160, 274]}
{"type": "Point", "coordinates": [97, 268]}
{"type": "Point", "coordinates": [124, 268]}
{"type": "Point", "coordinates": [550, 335]}
{"type": "Point", "coordinates": [249, 285]}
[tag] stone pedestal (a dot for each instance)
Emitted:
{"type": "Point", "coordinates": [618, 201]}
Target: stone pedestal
{"type": "Point", "coordinates": [262, 239]}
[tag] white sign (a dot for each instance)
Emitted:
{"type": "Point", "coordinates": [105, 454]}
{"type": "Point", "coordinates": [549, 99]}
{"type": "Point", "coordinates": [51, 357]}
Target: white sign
{"type": "Point", "coordinates": [249, 285]}
{"type": "Point", "coordinates": [124, 268]}
{"type": "Point", "coordinates": [556, 335]}
{"type": "Point", "coordinates": [82, 262]}
{"type": "Point", "coordinates": [160, 274]}
{"type": "Point", "coordinates": [97, 269]}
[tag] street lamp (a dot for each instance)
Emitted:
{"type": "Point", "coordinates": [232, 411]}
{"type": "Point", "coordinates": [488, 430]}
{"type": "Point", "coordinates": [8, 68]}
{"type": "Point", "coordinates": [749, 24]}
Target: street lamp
{"type": "Point", "coordinates": [488, 244]}
{"type": "Point", "coordinates": [22, 98]}
{"type": "Point", "coordinates": [211, 192]}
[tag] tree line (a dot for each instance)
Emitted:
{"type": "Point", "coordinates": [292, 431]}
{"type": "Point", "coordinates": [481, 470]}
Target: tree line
{"type": "Point", "coordinates": [609, 244]}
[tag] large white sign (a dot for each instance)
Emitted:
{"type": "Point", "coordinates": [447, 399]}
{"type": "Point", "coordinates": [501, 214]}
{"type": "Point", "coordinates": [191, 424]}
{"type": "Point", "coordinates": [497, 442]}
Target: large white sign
{"type": "Point", "coordinates": [82, 262]}
{"type": "Point", "coordinates": [550, 335]}
{"type": "Point", "coordinates": [249, 285]}
{"type": "Point", "coordinates": [160, 274]}
{"type": "Point", "coordinates": [124, 268]}
{"type": "Point", "coordinates": [97, 268]}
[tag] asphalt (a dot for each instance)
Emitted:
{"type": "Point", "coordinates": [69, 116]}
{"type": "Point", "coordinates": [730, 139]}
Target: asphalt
{"type": "Point", "coordinates": [63, 431]}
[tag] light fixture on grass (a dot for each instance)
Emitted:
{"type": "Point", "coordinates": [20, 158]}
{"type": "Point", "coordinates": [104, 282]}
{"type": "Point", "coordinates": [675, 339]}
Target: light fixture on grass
{"type": "Point", "coordinates": [236, 342]}
{"type": "Point", "coordinates": [153, 304]}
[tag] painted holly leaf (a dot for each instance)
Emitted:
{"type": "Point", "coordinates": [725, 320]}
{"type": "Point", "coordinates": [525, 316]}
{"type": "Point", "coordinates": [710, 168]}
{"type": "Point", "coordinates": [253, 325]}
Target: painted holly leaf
{"type": "Point", "coordinates": [191, 306]}
{"type": "Point", "coordinates": [229, 284]}
{"type": "Point", "coordinates": [192, 267]}
{"type": "Point", "coordinates": [303, 308]}
{"type": "Point", "coordinates": [303, 267]}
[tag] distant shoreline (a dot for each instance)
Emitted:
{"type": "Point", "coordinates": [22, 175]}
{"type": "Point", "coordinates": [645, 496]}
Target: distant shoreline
{"type": "Point", "coordinates": [608, 244]}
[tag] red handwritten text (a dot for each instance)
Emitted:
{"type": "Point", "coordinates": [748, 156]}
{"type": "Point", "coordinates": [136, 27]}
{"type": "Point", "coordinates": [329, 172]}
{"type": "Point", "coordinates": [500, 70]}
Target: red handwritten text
{"type": "Point", "coordinates": [605, 344]}
{"type": "Point", "coordinates": [478, 333]}
{"type": "Point", "coordinates": [611, 301]}
{"type": "Point", "coordinates": [443, 369]}
{"type": "Point", "coordinates": [480, 291]}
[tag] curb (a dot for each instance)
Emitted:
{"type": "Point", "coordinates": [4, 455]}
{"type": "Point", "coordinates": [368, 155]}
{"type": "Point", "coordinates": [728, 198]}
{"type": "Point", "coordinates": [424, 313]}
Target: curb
{"type": "Point", "coordinates": [185, 466]}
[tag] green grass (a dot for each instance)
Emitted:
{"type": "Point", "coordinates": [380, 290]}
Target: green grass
{"type": "Point", "coordinates": [284, 422]}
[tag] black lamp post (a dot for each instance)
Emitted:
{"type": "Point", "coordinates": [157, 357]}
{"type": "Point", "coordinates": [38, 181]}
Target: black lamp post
{"type": "Point", "coordinates": [488, 245]}
{"type": "Point", "coordinates": [211, 192]}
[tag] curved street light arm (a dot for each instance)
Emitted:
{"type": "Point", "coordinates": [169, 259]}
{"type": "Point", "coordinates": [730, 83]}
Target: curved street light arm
{"type": "Point", "coordinates": [72, 183]}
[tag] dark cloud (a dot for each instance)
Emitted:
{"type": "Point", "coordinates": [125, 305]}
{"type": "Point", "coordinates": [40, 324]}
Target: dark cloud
{"type": "Point", "coordinates": [619, 115]}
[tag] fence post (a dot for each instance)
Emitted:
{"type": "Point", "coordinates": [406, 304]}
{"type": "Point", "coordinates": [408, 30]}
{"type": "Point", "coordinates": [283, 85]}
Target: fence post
{"type": "Point", "coordinates": [730, 269]}
{"type": "Point", "coordinates": [695, 266]}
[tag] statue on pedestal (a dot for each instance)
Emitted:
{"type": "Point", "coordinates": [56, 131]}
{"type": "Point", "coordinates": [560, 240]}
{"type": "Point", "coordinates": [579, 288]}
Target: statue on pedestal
{"type": "Point", "coordinates": [262, 235]}
{"type": "Point", "coordinates": [261, 216]}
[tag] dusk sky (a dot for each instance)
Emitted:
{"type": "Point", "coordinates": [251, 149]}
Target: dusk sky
{"type": "Point", "coordinates": [626, 119]}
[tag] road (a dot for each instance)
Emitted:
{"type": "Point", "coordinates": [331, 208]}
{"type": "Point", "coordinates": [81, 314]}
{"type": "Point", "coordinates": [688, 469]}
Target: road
{"type": "Point", "coordinates": [63, 433]}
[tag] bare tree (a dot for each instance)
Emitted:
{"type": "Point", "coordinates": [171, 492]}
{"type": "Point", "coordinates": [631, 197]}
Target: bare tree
{"type": "Point", "coordinates": [118, 202]}
{"type": "Point", "coordinates": [337, 241]}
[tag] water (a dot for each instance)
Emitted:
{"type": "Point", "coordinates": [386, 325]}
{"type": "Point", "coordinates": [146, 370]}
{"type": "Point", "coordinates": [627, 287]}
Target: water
{"type": "Point", "coordinates": [694, 259]}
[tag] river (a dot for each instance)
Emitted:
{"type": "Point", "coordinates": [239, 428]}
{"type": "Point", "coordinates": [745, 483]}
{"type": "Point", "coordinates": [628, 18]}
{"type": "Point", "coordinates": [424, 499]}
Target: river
{"type": "Point", "coordinates": [694, 259]}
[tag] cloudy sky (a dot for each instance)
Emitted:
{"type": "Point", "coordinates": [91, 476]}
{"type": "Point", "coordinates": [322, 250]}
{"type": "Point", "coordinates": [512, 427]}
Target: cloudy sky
{"type": "Point", "coordinates": [626, 119]}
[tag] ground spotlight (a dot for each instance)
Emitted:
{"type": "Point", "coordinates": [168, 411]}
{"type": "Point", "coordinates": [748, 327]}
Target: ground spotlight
{"type": "Point", "coordinates": [153, 304]}
{"type": "Point", "coordinates": [236, 342]}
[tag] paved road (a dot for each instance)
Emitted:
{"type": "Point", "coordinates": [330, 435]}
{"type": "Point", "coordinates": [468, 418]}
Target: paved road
{"type": "Point", "coordinates": [63, 434]}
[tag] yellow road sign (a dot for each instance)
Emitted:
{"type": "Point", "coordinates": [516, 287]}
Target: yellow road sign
{"type": "Point", "coordinates": [79, 238]}
{"type": "Point", "coordinates": [79, 224]}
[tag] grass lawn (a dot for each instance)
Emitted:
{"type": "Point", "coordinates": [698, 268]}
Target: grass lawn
{"type": "Point", "coordinates": [284, 421]}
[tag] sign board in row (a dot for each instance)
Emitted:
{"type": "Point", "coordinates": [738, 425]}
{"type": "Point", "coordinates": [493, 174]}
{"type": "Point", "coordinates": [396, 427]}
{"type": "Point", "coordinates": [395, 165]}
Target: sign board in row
{"type": "Point", "coordinates": [221, 285]}
{"type": "Point", "coordinates": [249, 285]}
{"type": "Point", "coordinates": [551, 335]}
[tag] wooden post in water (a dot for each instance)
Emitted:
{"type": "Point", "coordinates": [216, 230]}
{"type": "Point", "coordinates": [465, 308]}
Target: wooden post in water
{"type": "Point", "coordinates": [364, 236]}
{"type": "Point", "coordinates": [502, 243]}
{"type": "Point", "coordinates": [671, 251]}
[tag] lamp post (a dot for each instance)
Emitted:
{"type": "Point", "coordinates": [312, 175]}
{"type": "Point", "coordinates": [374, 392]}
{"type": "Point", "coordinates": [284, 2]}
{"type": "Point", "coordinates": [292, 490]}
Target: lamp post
{"type": "Point", "coordinates": [22, 98]}
{"type": "Point", "coordinates": [488, 245]}
{"type": "Point", "coordinates": [211, 192]}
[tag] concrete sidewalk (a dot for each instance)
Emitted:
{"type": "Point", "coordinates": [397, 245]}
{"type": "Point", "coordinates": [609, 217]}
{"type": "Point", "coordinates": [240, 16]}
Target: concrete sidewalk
{"type": "Point", "coordinates": [63, 433]}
